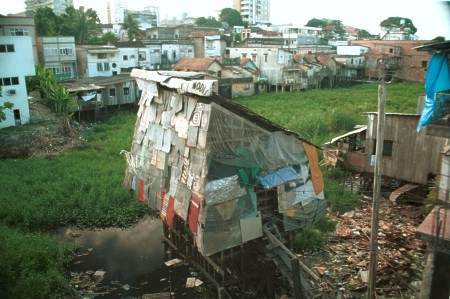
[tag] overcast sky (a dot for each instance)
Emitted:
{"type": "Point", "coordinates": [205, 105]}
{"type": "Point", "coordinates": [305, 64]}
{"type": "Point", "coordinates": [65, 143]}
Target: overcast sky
{"type": "Point", "coordinates": [432, 18]}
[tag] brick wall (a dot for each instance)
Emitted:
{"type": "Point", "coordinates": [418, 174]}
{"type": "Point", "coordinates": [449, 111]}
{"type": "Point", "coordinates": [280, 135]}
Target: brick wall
{"type": "Point", "coordinates": [413, 66]}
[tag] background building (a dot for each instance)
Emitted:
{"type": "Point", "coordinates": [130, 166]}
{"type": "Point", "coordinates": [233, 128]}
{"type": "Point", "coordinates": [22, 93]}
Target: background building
{"type": "Point", "coordinates": [16, 60]}
{"type": "Point", "coordinates": [58, 54]}
{"type": "Point", "coordinates": [58, 6]}
{"type": "Point", "coordinates": [19, 26]}
{"type": "Point", "coordinates": [254, 11]}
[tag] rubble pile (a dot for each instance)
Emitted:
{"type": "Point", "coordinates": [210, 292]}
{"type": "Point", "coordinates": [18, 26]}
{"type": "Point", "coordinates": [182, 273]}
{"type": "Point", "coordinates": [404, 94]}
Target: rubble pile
{"type": "Point", "coordinates": [401, 257]}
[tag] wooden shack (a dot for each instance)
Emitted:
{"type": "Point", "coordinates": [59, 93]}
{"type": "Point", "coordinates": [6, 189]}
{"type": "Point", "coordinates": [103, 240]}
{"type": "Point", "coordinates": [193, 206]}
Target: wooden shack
{"type": "Point", "coordinates": [408, 155]}
{"type": "Point", "coordinates": [220, 176]}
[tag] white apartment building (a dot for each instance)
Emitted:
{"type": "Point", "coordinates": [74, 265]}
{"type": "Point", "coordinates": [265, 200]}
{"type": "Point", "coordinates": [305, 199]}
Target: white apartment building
{"type": "Point", "coordinates": [57, 53]}
{"type": "Point", "coordinates": [19, 26]}
{"type": "Point", "coordinates": [58, 6]}
{"type": "Point", "coordinates": [96, 61]}
{"type": "Point", "coordinates": [254, 11]}
{"type": "Point", "coordinates": [17, 62]}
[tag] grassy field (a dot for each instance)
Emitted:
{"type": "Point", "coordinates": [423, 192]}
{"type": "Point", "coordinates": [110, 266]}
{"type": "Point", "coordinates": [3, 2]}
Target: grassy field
{"type": "Point", "coordinates": [319, 114]}
{"type": "Point", "coordinates": [84, 187]}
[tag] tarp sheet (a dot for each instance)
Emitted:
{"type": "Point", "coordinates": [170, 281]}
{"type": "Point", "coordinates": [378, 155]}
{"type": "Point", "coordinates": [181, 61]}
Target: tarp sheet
{"type": "Point", "coordinates": [281, 176]}
{"type": "Point", "coordinates": [438, 79]}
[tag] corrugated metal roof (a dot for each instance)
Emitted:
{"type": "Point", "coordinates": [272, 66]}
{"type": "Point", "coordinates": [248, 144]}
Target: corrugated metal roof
{"type": "Point", "coordinates": [194, 64]}
{"type": "Point", "coordinates": [434, 46]}
{"type": "Point", "coordinates": [361, 129]}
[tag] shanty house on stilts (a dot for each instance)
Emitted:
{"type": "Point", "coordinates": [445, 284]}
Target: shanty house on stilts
{"type": "Point", "coordinates": [222, 177]}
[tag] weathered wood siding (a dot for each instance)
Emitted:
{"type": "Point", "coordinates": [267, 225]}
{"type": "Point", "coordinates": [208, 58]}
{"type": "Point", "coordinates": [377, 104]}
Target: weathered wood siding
{"type": "Point", "coordinates": [414, 154]}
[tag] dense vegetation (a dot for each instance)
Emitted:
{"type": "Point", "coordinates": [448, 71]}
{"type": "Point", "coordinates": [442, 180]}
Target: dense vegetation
{"type": "Point", "coordinates": [84, 187]}
{"type": "Point", "coordinates": [319, 114]}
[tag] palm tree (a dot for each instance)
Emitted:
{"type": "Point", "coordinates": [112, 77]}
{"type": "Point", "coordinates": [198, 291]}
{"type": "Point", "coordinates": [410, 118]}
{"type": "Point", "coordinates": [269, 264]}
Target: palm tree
{"type": "Point", "coordinates": [131, 25]}
{"type": "Point", "coordinates": [45, 21]}
{"type": "Point", "coordinates": [81, 24]}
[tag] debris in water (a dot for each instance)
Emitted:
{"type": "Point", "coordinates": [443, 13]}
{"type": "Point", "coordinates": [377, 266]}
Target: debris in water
{"type": "Point", "coordinates": [173, 262]}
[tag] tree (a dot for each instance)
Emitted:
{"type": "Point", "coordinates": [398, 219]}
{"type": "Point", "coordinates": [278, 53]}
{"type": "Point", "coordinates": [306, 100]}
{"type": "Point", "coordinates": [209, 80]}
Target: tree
{"type": "Point", "coordinates": [81, 24]}
{"type": "Point", "coordinates": [399, 22]}
{"type": "Point", "coordinates": [109, 38]}
{"type": "Point", "coordinates": [231, 16]}
{"type": "Point", "coordinates": [439, 39]}
{"type": "Point", "coordinates": [316, 23]}
{"type": "Point", "coordinates": [209, 22]}
{"type": "Point", "coordinates": [46, 22]}
{"type": "Point", "coordinates": [131, 25]}
{"type": "Point", "coordinates": [363, 33]}
{"type": "Point", "coordinates": [6, 105]}
{"type": "Point", "coordinates": [54, 95]}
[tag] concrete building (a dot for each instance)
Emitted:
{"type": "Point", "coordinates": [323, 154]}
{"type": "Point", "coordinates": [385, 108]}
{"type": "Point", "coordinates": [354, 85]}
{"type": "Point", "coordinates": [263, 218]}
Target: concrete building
{"type": "Point", "coordinates": [208, 44]}
{"type": "Point", "coordinates": [131, 55]}
{"type": "Point", "coordinates": [58, 6]}
{"type": "Point", "coordinates": [19, 26]}
{"type": "Point", "coordinates": [395, 58]}
{"type": "Point", "coordinates": [58, 54]}
{"type": "Point", "coordinates": [254, 11]}
{"type": "Point", "coordinates": [297, 36]}
{"type": "Point", "coordinates": [119, 9]}
{"type": "Point", "coordinates": [275, 64]}
{"type": "Point", "coordinates": [95, 61]}
{"type": "Point", "coordinates": [17, 62]}
{"type": "Point", "coordinates": [147, 18]}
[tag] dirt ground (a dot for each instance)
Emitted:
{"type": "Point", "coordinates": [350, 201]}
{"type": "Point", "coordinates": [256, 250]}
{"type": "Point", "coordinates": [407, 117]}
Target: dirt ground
{"type": "Point", "coordinates": [344, 263]}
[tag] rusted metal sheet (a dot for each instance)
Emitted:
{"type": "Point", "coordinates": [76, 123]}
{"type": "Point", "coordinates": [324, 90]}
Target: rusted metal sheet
{"type": "Point", "coordinates": [427, 230]}
{"type": "Point", "coordinates": [403, 189]}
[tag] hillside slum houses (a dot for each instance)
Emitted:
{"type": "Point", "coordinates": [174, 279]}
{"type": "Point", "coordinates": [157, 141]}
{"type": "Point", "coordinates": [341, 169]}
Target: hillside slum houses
{"type": "Point", "coordinates": [221, 176]}
{"type": "Point", "coordinates": [97, 94]}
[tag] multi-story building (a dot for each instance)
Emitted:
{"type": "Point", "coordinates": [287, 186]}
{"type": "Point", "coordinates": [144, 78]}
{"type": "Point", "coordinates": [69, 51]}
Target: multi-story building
{"type": "Point", "coordinates": [58, 54]}
{"type": "Point", "coordinates": [254, 11]}
{"type": "Point", "coordinates": [95, 61]}
{"type": "Point", "coordinates": [58, 6]}
{"type": "Point", "coordinates": [17, 62]}
{"type": "Point", "coordinates": [119, 9]}
{"type": "Point", "coordinates": [298, 36]}
{"type": "Point", "coordinates": [395, 58]}
{"type": "Point", "coordinates": [147, 18]}
{"type": "Point", "coordinates": [19, 26]}
{"type": "Point", "coordinates": [131, 55]}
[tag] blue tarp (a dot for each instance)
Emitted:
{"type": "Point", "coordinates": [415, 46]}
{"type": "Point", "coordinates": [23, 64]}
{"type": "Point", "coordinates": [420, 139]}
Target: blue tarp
{"type": "Point", "coordinates": [438, 79]}
{"type": "Point", "coordinates": [281, 176]}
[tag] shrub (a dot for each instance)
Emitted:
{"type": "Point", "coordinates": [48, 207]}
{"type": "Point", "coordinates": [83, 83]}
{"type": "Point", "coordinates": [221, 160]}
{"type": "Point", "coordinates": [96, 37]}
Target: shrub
{"type": "Point", "coordinates": [309, 238]}
{"type": "Point", "coordinates": [32, 265]}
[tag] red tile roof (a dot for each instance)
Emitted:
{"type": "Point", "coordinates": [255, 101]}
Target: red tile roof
{"type": "Point", "coordinates": [194, 64]}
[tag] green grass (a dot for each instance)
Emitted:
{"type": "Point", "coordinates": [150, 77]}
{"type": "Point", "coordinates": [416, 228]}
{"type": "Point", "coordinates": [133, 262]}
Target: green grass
{"type": "Point", "coordinates": [82, 187]}
{"type": "Point", "coordinates": [32, 265]}
{"type": "Point", "coordinates": [318, 115]}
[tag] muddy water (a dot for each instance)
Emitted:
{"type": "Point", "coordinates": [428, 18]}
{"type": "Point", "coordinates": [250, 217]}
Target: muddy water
{"type": "Point", "coordinates": [133, 262]}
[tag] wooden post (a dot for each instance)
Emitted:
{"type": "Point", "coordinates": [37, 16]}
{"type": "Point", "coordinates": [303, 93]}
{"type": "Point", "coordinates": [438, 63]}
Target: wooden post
{"type": "Point", "coordinates": [298, 292]}
{"type": "Point", "coordinates": [371, 288]}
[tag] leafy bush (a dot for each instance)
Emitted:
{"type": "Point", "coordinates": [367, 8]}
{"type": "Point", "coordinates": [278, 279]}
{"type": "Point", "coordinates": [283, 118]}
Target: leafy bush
{"type": "Point", "coordinates": [309, 238]}
{"type": "Point", "coordinates": [80, 187]}
{"type": "Point", "coordinates": [325, 225]}
{"type": "Point", "coordinates": [32, 265]}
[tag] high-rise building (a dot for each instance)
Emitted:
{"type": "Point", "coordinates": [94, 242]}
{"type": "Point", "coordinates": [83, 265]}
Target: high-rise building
{"type": "Point", "coordinates": [254, 11]}
{"type": "Point", "coordinates": [119, 10]}
{"type": "Point", "coordinates": [58, 6]}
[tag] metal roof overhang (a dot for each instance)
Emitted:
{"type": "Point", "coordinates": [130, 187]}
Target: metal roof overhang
{"type": "Point", "coordinates": [347, 134]}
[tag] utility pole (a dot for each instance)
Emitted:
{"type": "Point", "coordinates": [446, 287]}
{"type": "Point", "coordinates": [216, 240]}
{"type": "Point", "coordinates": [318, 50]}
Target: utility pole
{"type": "Point", "coordinates": [371, 288]}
